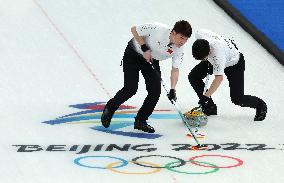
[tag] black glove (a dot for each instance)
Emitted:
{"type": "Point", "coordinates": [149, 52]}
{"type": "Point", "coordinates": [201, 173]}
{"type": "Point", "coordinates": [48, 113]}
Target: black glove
{"type": "Point", "coordinates": [204, 100]}
{"type": "Point", "coordinates": [144, 47]}
{"type": "Point", "coordinates": [172, 95]}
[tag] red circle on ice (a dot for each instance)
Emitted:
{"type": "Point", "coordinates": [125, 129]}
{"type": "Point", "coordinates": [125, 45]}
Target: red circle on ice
{"type": "Point", "coordinates": [239, 162]}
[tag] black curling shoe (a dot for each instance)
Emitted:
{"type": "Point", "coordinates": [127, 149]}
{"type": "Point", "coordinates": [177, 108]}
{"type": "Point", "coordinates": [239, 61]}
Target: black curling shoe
{"type": "Point", "coordinates": [261, 112]}
{"type": "Point", "coordinates": [142, 125]}
{"type": "Point", "coordinates": [107, 115]}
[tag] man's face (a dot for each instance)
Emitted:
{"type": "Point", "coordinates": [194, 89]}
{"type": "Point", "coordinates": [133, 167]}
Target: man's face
{"type": "Point", "coordinates": [179, 40]}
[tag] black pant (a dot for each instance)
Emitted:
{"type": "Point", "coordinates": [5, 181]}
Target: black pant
{"type": "Point", "coordinates": [235, 75]}
{"type": "Point", "coordinates": [132, 64]}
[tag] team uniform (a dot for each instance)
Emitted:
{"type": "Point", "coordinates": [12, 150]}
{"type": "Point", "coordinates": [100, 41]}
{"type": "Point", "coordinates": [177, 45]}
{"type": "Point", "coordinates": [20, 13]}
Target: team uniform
{"type": "Point", "coordinates": [157, 37]}
{"type": "Point", "coordinates": [223, 59]}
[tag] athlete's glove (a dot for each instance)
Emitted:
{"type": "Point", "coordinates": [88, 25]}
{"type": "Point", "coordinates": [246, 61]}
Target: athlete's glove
{"type": "Point", "coordinates": [172, 95]}
{"type": "Point", "coordinates": [204, 100]}
{"type": "Point", "coordinates": [144, 47]}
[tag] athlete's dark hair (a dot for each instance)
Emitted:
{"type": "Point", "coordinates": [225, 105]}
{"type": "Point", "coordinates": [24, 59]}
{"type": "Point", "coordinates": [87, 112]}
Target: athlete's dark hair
{"type": "Point", "coordinates": [183, 27]}
{"type": "Point", "coordinates": [200, 49]}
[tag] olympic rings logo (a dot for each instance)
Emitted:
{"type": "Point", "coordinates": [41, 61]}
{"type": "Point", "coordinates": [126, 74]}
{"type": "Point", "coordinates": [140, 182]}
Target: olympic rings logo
{"type": "Point", "coordinates": [173, 166]}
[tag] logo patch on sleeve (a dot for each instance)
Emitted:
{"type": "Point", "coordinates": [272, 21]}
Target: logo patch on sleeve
{"type": "Point", "coordinates": [170, 51]}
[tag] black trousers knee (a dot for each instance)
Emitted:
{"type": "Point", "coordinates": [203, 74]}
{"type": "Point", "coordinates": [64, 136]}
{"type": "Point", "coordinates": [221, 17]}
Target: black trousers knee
{"type": "Point", "coordinates": [133, 63]}
{"type": "Point", "coordinates": [235, 76]}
